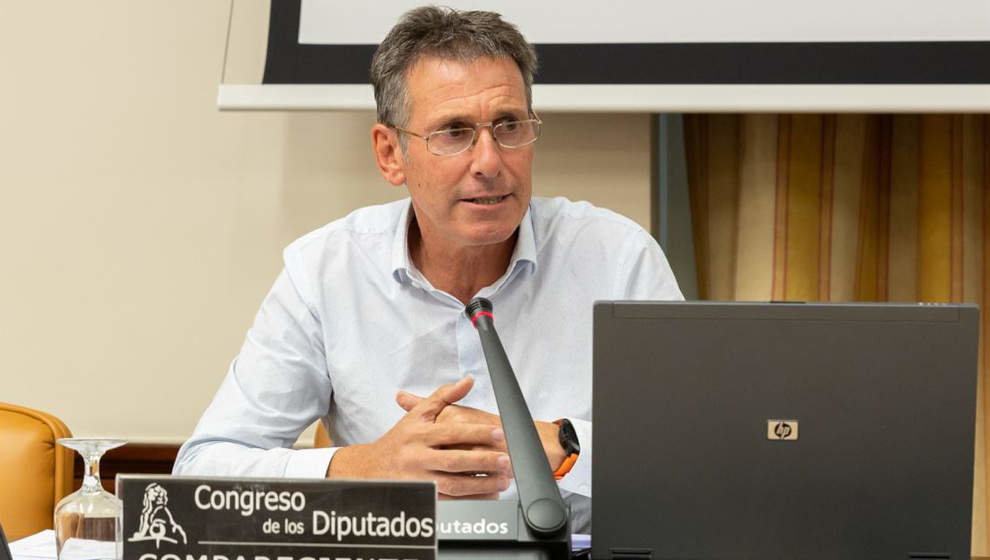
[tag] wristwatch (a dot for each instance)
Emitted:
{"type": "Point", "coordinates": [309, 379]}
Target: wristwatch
{"type": "Point", "coordinates": [569, 441]}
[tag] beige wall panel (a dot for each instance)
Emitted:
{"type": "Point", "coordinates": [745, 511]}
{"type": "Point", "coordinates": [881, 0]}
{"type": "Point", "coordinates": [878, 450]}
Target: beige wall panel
{"type": "Point", "coordinates": [141, 227]}
{"type": "Point", "coordinates": [247, 43]}
{"type": "Point", "coordinates": [604, 159]}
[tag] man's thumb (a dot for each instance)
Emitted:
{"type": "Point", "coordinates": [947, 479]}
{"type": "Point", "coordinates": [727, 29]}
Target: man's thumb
{"type": "Point", "coordinates": [408, 401]}
{"type": "Point", "coordinates": [430, 407]}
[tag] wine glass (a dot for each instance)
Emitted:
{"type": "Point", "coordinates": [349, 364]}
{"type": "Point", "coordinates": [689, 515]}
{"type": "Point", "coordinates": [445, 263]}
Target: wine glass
{"type": "Point", "coordinates": [87, 521]}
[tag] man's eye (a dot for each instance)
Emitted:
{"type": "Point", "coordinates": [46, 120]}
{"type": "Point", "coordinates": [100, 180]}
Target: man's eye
{"type": "Point", "coordinates": [509, 126]}
{"type": "Point", "coordinates": [453, 132]}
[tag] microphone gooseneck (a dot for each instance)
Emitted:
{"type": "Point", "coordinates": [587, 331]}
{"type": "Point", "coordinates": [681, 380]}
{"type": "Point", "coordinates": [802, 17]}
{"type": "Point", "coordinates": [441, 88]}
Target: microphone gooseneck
{"type": "Point", "coordinates": [542, 507]}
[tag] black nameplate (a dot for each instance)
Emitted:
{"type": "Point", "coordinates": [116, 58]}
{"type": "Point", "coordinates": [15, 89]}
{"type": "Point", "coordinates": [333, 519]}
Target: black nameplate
{"type": "Point", "coordinates": [185, 518]}
{"type": "Point", "coordinates": [489, 520]}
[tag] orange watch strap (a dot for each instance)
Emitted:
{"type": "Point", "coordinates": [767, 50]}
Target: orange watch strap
{"type": "Point", "coordinates": [565, 467]}
{"type": "Point", "coordinates": [569, 461]}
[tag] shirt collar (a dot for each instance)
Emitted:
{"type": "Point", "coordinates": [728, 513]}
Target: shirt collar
{"type": "Point", "coordinates": [402, 266]}
{"type": "Point", "coordinates": [401, 263]}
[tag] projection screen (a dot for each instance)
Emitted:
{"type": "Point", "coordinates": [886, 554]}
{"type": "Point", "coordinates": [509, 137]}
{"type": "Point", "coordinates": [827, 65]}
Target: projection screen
{"type": "Point", "coordinates": [646, 56]}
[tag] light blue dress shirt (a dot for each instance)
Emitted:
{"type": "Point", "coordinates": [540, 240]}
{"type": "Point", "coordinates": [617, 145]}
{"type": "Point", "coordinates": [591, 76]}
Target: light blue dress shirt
{"type": "Point", "coordinates": [350, 322]}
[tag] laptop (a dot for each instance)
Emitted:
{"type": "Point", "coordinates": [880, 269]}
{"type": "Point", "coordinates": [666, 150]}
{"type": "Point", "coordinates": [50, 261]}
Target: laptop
{"type": "Point", "coordinates": [811, 431]}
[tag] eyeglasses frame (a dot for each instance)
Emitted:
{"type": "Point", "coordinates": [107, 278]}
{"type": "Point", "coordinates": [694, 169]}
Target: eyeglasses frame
{"type": "Point", "coordinates": [475, 130]}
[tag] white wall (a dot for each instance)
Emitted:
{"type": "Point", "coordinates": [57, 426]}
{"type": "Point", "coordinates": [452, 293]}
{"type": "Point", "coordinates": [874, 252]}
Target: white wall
{"type": "Point", "coordinates": [140, 228]}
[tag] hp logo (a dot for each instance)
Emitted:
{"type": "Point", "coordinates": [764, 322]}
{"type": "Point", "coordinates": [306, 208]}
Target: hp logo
{"type": "Point", "coordinates": [782, 430]}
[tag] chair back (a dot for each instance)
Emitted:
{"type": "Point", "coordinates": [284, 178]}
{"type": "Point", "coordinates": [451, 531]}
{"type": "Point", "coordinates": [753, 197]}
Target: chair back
{"type": "Point", "coordinates": [35, 473]}
{"type": "Point", "coordinates": [321, 438]}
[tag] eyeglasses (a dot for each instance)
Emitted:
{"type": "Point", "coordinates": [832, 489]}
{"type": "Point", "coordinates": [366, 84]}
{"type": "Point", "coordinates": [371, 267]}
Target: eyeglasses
{"type": "Point", "coordinates": [452, 141]}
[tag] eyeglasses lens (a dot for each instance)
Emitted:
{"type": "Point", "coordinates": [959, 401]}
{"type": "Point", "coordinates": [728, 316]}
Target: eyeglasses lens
{"type": "Point", "coordinates": [509, 134]}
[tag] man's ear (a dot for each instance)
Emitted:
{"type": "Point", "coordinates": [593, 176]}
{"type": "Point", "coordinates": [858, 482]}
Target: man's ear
{"type": "Point", "coordinates": [388, 154]}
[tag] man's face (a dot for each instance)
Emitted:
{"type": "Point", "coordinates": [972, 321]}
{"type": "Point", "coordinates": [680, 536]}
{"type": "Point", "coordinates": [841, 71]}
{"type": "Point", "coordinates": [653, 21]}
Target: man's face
{"type": "Point", "coordinates": [445, 190]}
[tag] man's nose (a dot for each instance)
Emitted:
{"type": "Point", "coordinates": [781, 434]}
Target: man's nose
{"type": "Point", "coordinates": [486, 154]}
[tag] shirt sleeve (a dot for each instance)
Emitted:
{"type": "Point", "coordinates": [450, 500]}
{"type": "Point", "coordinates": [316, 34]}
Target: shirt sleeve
{"type": "Point", "coordinates": [646, 274]}
{"type": "Point", "coordinates": [643, 274]}
{"type": "Point", "coordinates": [578, 480]}
{"type": "Point", "coordinates": [276, 387]}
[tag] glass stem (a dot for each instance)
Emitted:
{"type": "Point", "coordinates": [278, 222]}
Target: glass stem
{"type": "Point", "coordinates": [91, 479]}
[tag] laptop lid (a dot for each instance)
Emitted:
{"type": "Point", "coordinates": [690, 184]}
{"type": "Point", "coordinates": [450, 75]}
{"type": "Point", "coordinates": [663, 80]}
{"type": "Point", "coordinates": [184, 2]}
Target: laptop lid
{"type": "Point", "coordinates": [813, 431]}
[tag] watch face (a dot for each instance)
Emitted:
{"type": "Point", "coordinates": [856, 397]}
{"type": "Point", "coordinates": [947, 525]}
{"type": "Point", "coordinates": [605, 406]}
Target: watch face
{"type": "Point", "coordinates": [568, 438]}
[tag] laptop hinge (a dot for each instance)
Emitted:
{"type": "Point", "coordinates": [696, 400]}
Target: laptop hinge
{"type": "Point", "coordinates": [929, 556]}
{"type": "Point", "coordinates": [632, 553]}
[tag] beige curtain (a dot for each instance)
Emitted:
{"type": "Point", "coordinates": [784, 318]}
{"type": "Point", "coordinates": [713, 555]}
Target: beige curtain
{"type": "Point", "coordinates": [846, 208]}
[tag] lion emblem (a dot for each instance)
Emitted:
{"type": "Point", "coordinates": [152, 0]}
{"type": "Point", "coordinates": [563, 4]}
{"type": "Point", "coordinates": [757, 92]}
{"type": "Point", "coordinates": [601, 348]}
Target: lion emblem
{"type": "Point", "coordinates": [157, 523]}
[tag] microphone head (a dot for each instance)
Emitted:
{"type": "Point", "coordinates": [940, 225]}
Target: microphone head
{"type": "Point", "coordinates": [477, 305]}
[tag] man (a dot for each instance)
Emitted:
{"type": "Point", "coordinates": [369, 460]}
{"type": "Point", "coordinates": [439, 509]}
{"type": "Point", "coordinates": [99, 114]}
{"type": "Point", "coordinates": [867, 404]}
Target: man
{"type": "Point", "coordinates": [365, 325]}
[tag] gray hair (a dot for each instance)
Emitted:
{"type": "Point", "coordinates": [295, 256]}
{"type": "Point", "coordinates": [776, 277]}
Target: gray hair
{"type": "Point", "coordinates": [448, 34]}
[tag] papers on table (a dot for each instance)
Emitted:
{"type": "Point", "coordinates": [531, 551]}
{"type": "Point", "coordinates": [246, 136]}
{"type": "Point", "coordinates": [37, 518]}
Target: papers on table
{"type": "Point", "coordinates": [580, 541]}
{"type": "Point", "coordinates": [41, 546]}
{"type": "Point", "coordinates": [86, 549]}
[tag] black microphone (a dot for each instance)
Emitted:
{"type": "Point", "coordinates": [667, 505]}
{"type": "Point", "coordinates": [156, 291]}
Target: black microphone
{"type": "Point", "coordinates": [543, 509]}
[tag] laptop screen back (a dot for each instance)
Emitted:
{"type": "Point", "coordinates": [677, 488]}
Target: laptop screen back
{"type": "Point", "coordinates": [814, 431]}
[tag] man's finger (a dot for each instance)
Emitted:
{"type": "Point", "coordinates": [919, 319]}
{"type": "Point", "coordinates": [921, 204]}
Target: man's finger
{"type": "Point", "coordinates": [492, 496]}
{"type": "Point", "coordinates": [408, 401]}
{"type": "Point", "coordinates": [465, 486]}
{"type": "Point", "coordinates": [468, 415]}
{"type": "Point", "coordinates": [492, 447]}
{"type": "Point", "coordinates": [431, 406]}
{"type": "Point", "coordinates": [456, 461]}
{"type": "Point", "coordinates": [463, 434]}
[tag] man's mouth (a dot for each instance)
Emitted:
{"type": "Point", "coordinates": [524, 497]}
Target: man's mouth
{"type": "Point", "coordinates": [487, 200]}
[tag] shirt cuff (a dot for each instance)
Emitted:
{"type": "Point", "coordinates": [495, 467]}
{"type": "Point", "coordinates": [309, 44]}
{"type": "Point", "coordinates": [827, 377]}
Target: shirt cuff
{"type": "Point", "coordinates": [578, 480]}
{"type": "Point", "coordinates": [309, 463]}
